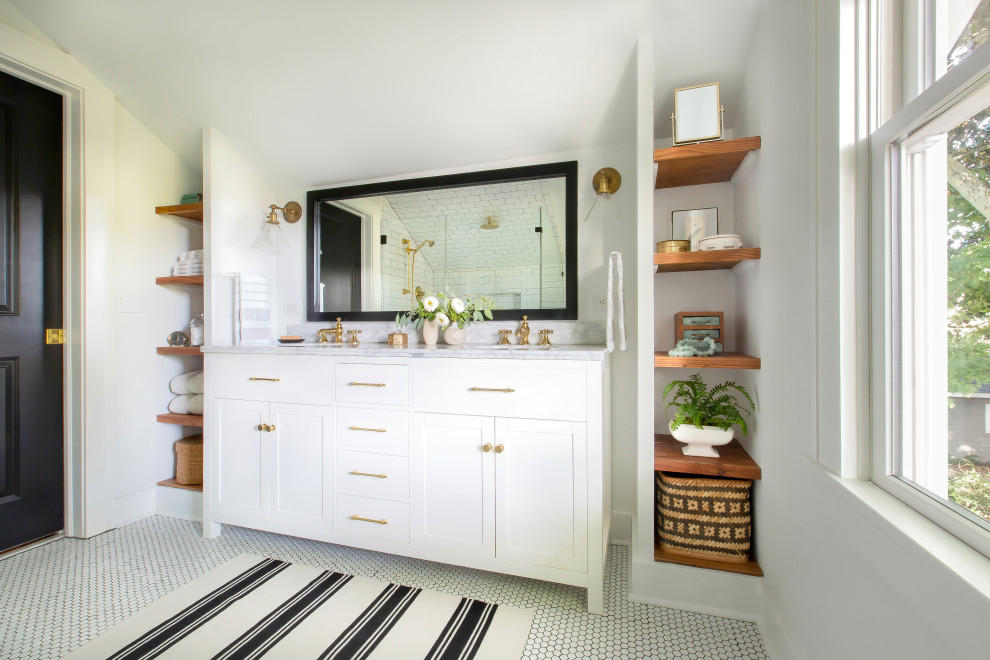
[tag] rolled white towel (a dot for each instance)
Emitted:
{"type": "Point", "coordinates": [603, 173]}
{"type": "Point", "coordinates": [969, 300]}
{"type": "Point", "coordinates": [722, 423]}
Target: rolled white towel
{"type": "Point", "coordinates": [188, 383]}
{"type": "Point", "coordinates": [186, 404]}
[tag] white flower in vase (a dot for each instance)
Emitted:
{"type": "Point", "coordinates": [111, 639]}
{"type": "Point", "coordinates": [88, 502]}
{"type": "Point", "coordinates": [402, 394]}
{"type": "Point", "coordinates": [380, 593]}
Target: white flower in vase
{"type": "Point", "coordinates": [457, 305]}
{"type": "Point", "coordinates": [442, 319]}
{"type": "Point", "coordinates": [430, 303]}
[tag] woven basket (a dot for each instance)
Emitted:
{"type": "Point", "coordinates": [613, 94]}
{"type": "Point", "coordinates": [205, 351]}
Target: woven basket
{"type": "Point", "coordinates": [704, 517]}
{"type": "Point", "coordinates": [189, 460]}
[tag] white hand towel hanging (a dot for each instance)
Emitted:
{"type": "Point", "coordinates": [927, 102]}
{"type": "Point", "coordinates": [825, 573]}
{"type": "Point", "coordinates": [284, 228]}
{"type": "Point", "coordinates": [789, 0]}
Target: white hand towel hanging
{"type": "Point", "coordinates": [615, 260]}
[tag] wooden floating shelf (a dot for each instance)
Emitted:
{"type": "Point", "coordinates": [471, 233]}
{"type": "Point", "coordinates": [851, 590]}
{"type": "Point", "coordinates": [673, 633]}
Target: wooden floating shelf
{"type": "Point", "coordinates": [179, 350]}
{"type": "Point", "coordinates": [696, 164]}
{"type": "Point", "coordinates": [681, 262]}
{"type": "Point", "coordinates": [196, 280]}
{"type": "Point", "coordinates": [188, 211]}
{"type": "Point", "coordinates": [183, 420]}
{"type": "Point", "coordinates": [172, 483]}
{"type": "Point", "coordinates": [749, 568]}
{"type": "Point", "coordinates": [733, 461]}
{"type": "Point", "coordinates": [719, 361]}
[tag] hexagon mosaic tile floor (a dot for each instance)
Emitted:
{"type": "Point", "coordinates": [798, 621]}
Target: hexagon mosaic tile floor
{"type": "Point", "coordinates": [59, 595]}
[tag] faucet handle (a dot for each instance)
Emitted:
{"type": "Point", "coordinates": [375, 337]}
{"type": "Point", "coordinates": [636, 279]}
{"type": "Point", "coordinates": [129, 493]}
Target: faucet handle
{"type": "Point", "coordinates": [354, 337]}
{"type": "Point", "coordinates": [503, 340]}
{"type": "Point", "coordinates": [545, 337]}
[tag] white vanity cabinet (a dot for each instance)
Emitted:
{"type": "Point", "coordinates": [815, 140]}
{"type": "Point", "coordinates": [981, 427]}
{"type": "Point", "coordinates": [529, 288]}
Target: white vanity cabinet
{"type": "Point", "coordinates": [272, 464]}
{"type": "Point", "coordinates": [512, 489]}
{"type": "Point", "coordinates": [497, 461]}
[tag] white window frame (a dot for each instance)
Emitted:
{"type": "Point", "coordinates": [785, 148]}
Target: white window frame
{"type": "Point", "coordinates": [884, 251]}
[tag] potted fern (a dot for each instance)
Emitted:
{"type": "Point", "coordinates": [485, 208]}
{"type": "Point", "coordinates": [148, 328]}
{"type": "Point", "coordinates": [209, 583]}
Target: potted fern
{"type": "Point", "coordinates": [704, 416]}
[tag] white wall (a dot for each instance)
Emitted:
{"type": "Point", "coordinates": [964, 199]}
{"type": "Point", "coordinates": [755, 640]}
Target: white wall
{"type": "Point", "coordinates": [841, 579]}
{"type": "Point", "coordinates": [144, 245]}
{"type": "Point", "coordinates": [236, 204]}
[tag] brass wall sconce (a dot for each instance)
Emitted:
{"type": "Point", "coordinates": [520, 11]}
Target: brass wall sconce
{"type": "Point", "coordinates": [271, 237]}
{"type": "Point", "coordinates": [606, 181]}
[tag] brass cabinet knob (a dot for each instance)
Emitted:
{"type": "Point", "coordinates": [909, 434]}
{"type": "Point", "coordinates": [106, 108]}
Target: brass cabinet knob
{"type": "Point", "coordinates": [261, 427]}
{"type": "Point", "coordinates": [486, 447]}
{"type": "Point", "coordinates": [499, 449]}
{"type": "Point", "coordinates": [271, 427]}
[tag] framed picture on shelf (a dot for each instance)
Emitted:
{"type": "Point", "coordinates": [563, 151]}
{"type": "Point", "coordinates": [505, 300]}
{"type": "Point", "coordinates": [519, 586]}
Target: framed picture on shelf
{"type": "Point", "coordinates": [693, 225]}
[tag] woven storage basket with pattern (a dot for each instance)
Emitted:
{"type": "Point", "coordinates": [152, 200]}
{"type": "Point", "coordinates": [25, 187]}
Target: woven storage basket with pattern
{"type": "Point", "coordinates": [189, 460]}
{"type": "Point", "coordinates": [704, 517]}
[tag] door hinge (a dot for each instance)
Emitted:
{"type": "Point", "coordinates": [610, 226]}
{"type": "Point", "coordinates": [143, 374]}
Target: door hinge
{"type": "Point", "coordinates": [55, 336]}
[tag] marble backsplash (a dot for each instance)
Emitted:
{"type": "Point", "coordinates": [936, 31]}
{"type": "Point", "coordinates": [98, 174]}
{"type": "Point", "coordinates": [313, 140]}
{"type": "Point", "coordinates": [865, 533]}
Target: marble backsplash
{"type": "Point", "coordinates": [486, 332]}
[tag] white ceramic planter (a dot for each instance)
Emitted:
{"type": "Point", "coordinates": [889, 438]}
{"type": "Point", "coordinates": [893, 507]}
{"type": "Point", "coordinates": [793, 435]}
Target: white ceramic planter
{"type": "Point", "coordinates": [455, 336]}
{"type": "Point", "coordinates": [431, 332]}
{"type": "Point", "coordinates": [701, 442]}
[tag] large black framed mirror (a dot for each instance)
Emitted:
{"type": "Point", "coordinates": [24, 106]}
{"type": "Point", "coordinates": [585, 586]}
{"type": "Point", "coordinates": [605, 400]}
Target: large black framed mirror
{"type": "Point", "coordinates": [508, 234]}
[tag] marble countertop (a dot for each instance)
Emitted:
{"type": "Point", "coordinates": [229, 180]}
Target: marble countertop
{"type": "Point", "coordinates": [563, 352]}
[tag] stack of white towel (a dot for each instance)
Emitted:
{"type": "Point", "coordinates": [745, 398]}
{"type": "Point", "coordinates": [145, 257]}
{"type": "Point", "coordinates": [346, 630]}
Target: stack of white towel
{"type": "Point", "coordinates": [189, 388]}
{"type": "Point", "coordinates": [189, 263]}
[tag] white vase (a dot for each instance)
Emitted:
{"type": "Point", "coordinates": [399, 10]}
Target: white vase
{"type": "Point", "coordinates": [701, 442]}
{"type": "Point", "coordinates": [431, 331]}
{"type": "Point", "coordinates": [454, 336]}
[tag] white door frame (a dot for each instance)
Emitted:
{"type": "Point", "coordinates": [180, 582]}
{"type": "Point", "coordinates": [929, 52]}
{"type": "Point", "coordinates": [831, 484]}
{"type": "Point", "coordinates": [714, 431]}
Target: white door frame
{"type": "Point", "coordinates": [87, 465]}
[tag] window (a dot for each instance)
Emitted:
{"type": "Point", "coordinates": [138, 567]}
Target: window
{"type": "Point", "coordinates": [931, 214]}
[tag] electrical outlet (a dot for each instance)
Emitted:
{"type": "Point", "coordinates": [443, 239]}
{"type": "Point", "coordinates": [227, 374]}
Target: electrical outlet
{"type": "Point", "coordinates": [293, 308]}
{"type": "Point", "coordinates": [131, 302]}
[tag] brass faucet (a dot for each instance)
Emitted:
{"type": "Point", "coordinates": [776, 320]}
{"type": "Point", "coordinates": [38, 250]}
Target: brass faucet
{"type": "Point", "coordinates": [545, 337]}
{"type": "Point", "coordinates": [337, 331]}
{"type": "Point", "coordinates": [354, 337]}
{"type": "Point", "coordinates": [503, 339]}
{"type": "Point", "coordinates": [523, 332]}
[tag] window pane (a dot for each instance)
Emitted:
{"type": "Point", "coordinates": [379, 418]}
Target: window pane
{"type": "Point", "coordinates": [967, 25]}
{"type": "Point", "coordinates": [944, 444]}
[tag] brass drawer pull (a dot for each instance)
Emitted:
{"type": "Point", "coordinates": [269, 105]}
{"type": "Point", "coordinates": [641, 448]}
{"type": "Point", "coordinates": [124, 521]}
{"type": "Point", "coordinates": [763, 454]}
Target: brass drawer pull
{"type": "Point", "coordinates": [499, 449]}
{"type": "Point", "coordinates": [367, 384]}
{"type": "Point", "coordinates": [266, 427]}
{"type": "Point", "coordinates": [361, 428]}
{"type": "Point", "coordinates": [487, 447]}
{"type": "Point", "coordinates": [270, 380]}
{"type": "Point", "coordinates": [492, 389]}
{"type": "Point", "coordinates": [383, 521]}
{"type": "Point", "coordinates": [368, 474]}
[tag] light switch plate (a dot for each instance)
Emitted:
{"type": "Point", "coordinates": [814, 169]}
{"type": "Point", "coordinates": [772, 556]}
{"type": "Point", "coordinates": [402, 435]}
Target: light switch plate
{"type": "Point", "coordinates": [131, 302]}
{"type": "Point", "coordinates": [293, 308]}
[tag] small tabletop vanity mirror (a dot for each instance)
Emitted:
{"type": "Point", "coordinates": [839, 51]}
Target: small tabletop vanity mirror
{"type": "Point", "coordinates": [697, 114]}
{"type": "Point", "coordinates": [508, 234]}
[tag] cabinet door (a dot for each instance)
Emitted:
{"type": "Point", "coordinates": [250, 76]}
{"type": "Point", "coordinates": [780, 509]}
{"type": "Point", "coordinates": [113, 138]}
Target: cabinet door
{"type": "Point", "coordinates": [541, 493]}
{"type": "Point", "coordinates": [240, 459]}
{"type": "Point", "coordinates": [301, 468]}
{"type": "Point", "coordinates": [453, 491]}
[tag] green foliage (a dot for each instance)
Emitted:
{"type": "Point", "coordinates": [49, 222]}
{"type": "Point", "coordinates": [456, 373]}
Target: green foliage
{"type": "Point", "coordinates": [700, 406]}
{"type": "Point", "coordinates": [969, 263]}
{"type": "Point", "coordinates": [971, 489]}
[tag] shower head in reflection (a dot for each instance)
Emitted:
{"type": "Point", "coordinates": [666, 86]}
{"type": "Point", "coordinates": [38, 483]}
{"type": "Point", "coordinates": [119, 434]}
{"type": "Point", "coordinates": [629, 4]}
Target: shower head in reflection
{"type": "Point", "coordinates": [407, 243]}
{"type": "Point", "coordinates": [490, 223]}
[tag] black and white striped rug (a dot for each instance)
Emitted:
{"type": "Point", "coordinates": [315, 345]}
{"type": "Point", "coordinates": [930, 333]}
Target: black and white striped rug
{"type": "Point", "coordinates": [252, 606]}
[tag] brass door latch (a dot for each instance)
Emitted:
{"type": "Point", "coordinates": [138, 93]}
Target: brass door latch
{"type": "Point", "coordinates": [54, 336]}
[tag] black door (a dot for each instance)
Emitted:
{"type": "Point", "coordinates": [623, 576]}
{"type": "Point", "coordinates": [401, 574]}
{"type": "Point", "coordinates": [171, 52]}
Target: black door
{"type": "Point", "coordinates": [31, 438]}
{"type": "Point", "coordinates": [340, 259]}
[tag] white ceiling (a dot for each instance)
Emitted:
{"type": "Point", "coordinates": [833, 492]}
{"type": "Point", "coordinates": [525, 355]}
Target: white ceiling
{"type": "Point", "coordinates": [324, 91]}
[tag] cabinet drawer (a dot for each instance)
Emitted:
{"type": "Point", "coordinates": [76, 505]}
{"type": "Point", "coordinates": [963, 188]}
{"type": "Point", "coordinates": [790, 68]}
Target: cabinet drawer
{"type": "Point", "coordinates": [372, 383]}
{"type": "Point", "coordinates": [382, 519]}
{"type": "Point", "coordinates": [374, 475]}
{"type": "Point", "coordinates": [279, 378]}
{"type": "Point", "coordinates": [373, 430]}
{"type": "Point", "coordinates": [502, 388]}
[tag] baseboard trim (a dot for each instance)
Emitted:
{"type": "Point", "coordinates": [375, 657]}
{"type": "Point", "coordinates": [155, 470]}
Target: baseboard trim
{"type": "Point", "coordinates": [621, 530]}
{"type": "Point", "coordinates": [775, 638]}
